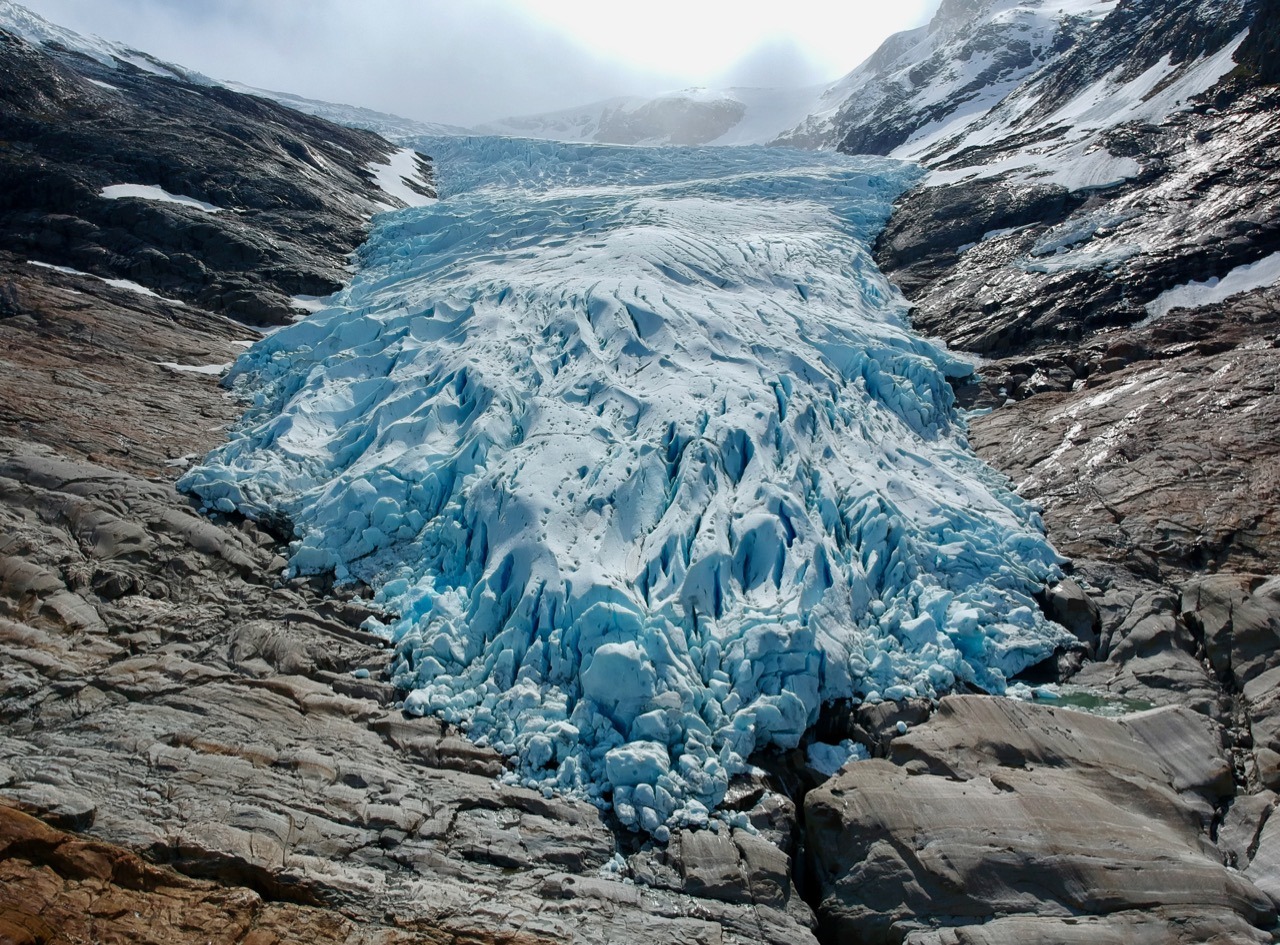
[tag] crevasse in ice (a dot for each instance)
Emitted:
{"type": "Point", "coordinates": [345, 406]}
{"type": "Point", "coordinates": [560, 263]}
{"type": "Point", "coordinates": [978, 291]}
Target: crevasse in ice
{"type": "Point", "coordinates": [640, 450]}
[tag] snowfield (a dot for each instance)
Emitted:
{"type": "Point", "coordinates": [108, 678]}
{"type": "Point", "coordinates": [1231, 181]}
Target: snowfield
{"type": "Point", "coordinates": [637, 446]}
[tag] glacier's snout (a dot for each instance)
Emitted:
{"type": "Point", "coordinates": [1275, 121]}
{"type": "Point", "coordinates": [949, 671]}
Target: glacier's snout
{"type": "Point", "coordinates": [639, 448]}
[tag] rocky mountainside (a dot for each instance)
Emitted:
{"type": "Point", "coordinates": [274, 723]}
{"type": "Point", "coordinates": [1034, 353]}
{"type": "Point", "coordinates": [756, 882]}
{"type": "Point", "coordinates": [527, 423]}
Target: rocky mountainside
{"type": "Point", "coordinates": [945, 75]}
{"type": "Point", "coordinates": [391, 127]}
{"type": "Point", "coordinates": [218, 199]}
{"type": "Point", "coordinates": [1104, 240]}
{"type": "Point", "coordinates": [980, 71]}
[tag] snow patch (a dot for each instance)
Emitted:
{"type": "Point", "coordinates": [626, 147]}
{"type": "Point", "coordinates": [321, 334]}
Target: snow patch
{"type": "Point", "coordinates": [396, 177]}
{"type": "Point", "coordinates": [1259, 275]}
{"type": "Point", "coordinates": [1080, 167]}
{"type": "Point", "coordinates": [115, 283]}
{"type": "Point", "coordinates": [310, 303]}
{"type": "Point", "coordinates": [152, 192]}
{"type": "Point", "coordinates": [1078, 260]}
{"type": "Point", "coordinates": [1075, 157]}
{"type": "Point", "coordinates": [211, 369]}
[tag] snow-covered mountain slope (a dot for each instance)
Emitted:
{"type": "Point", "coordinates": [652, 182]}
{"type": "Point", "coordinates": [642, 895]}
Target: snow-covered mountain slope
{"type": "Point", "coordinates": [972, 54]}
{"type": "Point", "coordinates": [38, 31]}
{"type": "Point", "coordinates": [639, 448]}
{"type": "Point", "coordinates": [1029, 87]}
{"type": "Point", "coordinates": [738, 116]}
{"type": "Point", "coordinates": [17, 19]}
{"type": "Point", "coordinates": [392, 127]}
{"type": "Point", "coordinates": [1139, 65]}
{"type": "Point", "coordinates": [1138, 163]}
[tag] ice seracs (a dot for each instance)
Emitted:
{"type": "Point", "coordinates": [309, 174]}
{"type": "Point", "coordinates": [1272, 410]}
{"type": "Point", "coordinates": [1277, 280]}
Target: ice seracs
{"type": "Point", "coordinates": [641, 456]}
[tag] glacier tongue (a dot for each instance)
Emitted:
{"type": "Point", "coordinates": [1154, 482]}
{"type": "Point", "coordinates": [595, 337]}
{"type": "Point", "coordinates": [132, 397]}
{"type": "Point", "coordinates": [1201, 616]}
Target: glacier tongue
{"type": "Point", "coordinates": [640, 450]}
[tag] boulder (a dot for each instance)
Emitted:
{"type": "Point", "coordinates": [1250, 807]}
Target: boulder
{"type": "Point", "coordinates": [1068, 604]}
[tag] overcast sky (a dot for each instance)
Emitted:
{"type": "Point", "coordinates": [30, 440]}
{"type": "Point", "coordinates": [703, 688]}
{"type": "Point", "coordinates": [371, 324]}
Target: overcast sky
{"type": "Point", "coordinates": [469, 61]}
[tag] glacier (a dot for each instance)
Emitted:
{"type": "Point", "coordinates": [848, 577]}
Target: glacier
{"type": "Point", "coordinates": [644, 463]}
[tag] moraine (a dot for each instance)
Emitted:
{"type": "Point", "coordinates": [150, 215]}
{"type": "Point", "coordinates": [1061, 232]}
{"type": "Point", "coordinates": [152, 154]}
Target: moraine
{"type": "Point", "coordinates": [638, 447]}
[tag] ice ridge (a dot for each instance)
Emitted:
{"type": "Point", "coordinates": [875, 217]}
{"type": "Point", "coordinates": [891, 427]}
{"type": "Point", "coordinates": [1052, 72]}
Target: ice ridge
{"type": "Point", "coordinates": [638, 448]}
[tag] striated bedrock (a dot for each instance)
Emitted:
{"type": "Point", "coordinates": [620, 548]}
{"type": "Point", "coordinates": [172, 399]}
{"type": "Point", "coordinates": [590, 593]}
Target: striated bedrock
{"type": "Point", "coordinates": [637, 447]}
{"type": "Point", "coordinates": [233, 203]}
{"type": "Point", "coordinates": [58, 887]}
{"type": "Point", "coordinates": [999, 821]}
{"type": "Point", "coordinates": [1128, 334]}
{"type": "Point", "coordinates": [1165, 458]}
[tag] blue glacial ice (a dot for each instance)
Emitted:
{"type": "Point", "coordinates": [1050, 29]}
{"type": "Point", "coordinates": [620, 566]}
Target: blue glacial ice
{"type": "Point", "coordinates": [640, 451]}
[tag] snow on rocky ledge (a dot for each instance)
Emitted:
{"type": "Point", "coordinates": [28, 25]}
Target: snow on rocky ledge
{"type": "Point", "coordinates": [152, 192]}
{"type": "Point", "coordinates": [638, 447]}
{"type": "Point", "coordinates": [402, 179]}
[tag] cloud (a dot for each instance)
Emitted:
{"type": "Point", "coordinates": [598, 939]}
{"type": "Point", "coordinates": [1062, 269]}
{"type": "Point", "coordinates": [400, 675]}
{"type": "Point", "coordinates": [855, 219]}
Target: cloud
{"type": "Point", "coordinates": [459, 62]}
{"type": "Point", "coordinates": [777, 63]}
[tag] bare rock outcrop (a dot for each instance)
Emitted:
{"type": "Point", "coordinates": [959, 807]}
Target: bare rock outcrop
{"type": "Point", "coordinates": [56, 887]}
{"type": "Point", "coordinates": [1146, 432]}
{"type": "Point", "coordinates": [999, 821]}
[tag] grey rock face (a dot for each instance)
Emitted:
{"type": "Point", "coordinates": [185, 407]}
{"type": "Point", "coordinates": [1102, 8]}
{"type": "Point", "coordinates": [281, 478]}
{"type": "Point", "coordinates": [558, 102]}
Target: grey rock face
{"type": "Point", "coordinates": [1068, 604]}
{"type": "Point", "coordinates": [1150, 445]}
{"type": "Point", "coordinates": [1241, 829]}
{"type": "Point", "coordinates": [1203, 206]}
{"type": "Point", "coordinates": [995, 808]}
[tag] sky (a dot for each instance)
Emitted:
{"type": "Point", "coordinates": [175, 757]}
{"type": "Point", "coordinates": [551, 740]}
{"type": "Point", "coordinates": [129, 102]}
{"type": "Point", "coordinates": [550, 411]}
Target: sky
{"type": "Point", "coordinates": [465, 62]}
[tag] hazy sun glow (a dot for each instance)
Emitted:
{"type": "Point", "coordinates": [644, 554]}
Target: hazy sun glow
{"type": "Point", "coordinates": [705, 39]}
